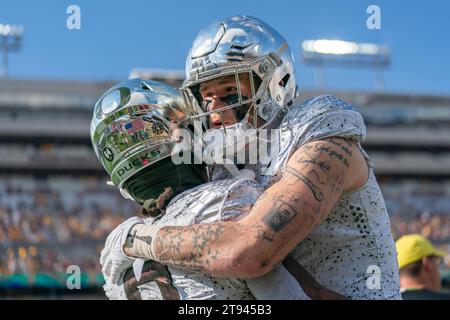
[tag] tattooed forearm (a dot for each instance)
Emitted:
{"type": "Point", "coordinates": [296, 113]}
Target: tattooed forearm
{"type": "Point", "coordinates": [220, 249]}
{"type": "Point", "coordinates": [190, 248]}
{"type": "Point", "coordinates": [280, 215]}
{"type": "Point", "coordinates": [277, 220]}
{"type": "Point", "coordinates": [263, 235]}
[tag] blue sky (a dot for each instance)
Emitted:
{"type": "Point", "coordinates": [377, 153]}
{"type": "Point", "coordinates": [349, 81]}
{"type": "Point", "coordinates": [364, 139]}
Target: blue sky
{"type": "Point", "coordinates": [118, 36]}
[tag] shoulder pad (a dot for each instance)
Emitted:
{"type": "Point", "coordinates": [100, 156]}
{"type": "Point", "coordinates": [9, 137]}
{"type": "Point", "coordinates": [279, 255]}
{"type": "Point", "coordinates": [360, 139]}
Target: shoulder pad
{"type": "Point", "coordinates": [323, 117]}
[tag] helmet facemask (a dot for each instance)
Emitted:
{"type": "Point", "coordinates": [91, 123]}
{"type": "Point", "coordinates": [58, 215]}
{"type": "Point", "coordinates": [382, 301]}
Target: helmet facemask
{"type": "Point", "coordinates": [253, 108]}
{"type": "Point", "coordinates": [258, 72]}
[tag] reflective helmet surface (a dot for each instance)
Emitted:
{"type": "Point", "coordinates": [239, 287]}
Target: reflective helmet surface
{"type": "Point", "coordinates": [236, 45]}
{"type": "Point", "coordinates": [133, 126]}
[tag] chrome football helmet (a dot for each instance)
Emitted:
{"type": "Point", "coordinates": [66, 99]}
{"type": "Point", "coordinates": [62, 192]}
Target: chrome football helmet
{"type": "Point", "coordinates": [134, 125]}
{"type": "Point", "coordinates": [233, 47]}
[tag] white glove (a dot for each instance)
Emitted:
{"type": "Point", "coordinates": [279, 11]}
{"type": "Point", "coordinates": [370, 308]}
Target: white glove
{"type": "Point", "coordinates": [115, 291]}
{"type": "Point", "coordinates": [113, 260]}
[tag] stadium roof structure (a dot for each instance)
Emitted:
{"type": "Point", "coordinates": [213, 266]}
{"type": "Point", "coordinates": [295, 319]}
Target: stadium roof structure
{"type": "Point", "coordinates": [39, 93]}
{"type": "Point", "coordinates": [400, 126]}
{"type": "Point", "coordinates": [339, 53]}
{"type": "Point", "coordinates": [172, 77]}
{"type": "Point", "coordinates": [345, 52]}
{"type": "Point", "coordinates": [157, 74]}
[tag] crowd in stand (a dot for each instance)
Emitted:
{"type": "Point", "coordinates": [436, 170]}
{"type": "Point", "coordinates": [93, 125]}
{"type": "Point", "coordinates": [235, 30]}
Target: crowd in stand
{"type": "Point", "coordinates": [45, 226]}
{"type": "Point", "coordinates": [420, 207]}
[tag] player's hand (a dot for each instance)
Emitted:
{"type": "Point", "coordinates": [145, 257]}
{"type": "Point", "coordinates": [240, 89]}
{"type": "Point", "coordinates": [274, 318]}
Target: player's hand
{"type": "Point", "coordinates": [113, 260]}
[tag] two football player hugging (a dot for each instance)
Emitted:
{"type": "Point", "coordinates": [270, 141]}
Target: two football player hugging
{"type": "Point", "coordinates": [230, 231]}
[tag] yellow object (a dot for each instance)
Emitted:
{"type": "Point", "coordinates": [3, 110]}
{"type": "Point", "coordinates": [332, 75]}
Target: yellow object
{"type": "Point", "coordinates": [22, 252]}
{"type": "Point", "coordinates": [414, 247]}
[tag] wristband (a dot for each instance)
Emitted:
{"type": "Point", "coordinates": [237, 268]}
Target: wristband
{"type": "Point", "coordinates": [141, 241]}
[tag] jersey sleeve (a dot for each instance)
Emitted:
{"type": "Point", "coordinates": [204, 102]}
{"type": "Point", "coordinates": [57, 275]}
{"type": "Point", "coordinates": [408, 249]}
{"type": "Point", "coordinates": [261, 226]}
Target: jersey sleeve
{"type": "Point", "coordinates": [318, 118]}
{"type": "Point", "coordinates": [323, 117]}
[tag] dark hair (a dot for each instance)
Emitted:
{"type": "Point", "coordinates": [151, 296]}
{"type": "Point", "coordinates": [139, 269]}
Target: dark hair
{"type": "Point", "coordinates": [159, 207]}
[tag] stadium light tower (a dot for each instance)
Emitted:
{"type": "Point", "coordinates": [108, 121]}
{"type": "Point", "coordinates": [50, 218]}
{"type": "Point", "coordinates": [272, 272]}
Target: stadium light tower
{"type": "Point", "coordinates": [10, 41]}
{"type": "Point", "coordinates": [323, 52]}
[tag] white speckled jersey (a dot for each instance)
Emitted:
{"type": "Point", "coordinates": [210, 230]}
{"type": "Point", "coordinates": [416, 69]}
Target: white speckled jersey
{"type": "Point", "coordinates": [346, 251]}
{"type": "Point", "coordinates": [215, 201]}
{"type": "Point", "coordinates": [204, 204]}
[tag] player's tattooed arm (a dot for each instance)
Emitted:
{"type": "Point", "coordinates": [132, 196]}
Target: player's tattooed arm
{"type": "Point", "coordinates": [316, 175]}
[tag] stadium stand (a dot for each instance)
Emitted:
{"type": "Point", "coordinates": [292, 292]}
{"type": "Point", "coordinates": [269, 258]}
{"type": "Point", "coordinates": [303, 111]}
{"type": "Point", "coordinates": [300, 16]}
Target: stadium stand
{"type": "Point", "coordinates": [56, 209]}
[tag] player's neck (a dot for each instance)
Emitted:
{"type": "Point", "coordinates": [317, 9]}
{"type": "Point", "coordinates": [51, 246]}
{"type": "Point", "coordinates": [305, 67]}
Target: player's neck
{"type": "Point", "coordinates": [409, 283]}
